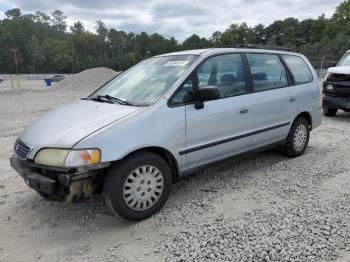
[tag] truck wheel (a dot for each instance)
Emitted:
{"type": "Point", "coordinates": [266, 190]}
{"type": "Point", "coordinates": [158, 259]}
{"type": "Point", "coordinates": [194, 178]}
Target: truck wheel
{"type": "Point", "coordinates": [138, 186]}
{"type": "Point", "coordinates": [329, 111]}
{"type": "Point", "coordinates": [298, 138]}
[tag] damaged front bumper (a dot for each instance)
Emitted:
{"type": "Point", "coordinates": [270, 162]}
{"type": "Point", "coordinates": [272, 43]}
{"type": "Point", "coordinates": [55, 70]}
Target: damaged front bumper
{"type": "Point", "coordinates": [54, 183]}
{"type": "Point", "coordinates": [336, 92]}
{"type": "Point", "coordinates": [334, 102]}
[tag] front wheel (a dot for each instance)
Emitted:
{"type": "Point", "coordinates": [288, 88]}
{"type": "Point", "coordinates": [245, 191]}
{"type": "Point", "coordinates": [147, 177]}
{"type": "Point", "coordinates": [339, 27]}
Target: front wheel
{"type": "Point", "coordinates": [298, 137]}
{"type": "Point", "coordinates": [138, 186]}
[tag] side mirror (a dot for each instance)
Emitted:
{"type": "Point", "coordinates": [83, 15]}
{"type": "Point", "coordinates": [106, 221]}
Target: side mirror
{"type": "Point", "coordinates": [206, 93]}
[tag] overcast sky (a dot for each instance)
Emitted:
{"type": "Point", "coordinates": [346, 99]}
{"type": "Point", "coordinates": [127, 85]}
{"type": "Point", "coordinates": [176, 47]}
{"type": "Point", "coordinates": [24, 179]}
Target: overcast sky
{"type": "Point", "coordinates": [179, 18]}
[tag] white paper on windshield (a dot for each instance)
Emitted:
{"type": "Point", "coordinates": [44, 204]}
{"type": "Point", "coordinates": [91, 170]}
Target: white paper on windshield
{"type": "Point", "coordinates": [176, 63]}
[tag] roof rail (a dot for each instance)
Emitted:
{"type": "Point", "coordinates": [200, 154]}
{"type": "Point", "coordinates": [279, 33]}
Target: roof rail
{"type": "Point", "coordinates": [254, 46]}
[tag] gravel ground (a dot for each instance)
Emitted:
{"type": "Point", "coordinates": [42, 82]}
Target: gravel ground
{"type": "Point", "coordinates": [259, 207]}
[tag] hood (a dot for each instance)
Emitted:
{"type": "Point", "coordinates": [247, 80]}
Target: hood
{"type": "Point", "coordinates": [68, 124]}
{"type": "Point", "coordinates": [339, 70]}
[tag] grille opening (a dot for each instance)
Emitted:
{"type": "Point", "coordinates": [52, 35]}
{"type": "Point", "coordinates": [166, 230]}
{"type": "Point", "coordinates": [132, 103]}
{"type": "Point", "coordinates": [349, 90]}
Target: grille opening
{"type": "Point", "coordinates": [21, 149]}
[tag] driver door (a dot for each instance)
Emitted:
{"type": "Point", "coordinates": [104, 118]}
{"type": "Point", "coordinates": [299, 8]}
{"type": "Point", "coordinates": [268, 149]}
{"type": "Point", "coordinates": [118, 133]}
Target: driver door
{"type": "Point", "coordinates": [220, 128]}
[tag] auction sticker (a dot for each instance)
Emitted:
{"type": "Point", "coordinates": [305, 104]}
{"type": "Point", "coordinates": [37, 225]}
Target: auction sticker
{"type": "Point", "coordinates": [176, 63]}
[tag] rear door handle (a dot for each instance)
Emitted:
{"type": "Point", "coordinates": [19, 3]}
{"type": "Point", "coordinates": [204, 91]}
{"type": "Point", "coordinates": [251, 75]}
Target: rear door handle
{"type": "Point", "coordinates": [292, 99]}
{"type": "Point", "coordinates": [244, 110]}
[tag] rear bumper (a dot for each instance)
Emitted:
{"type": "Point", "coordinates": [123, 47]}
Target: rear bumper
{"type": "Point", "coordinates": [336, 103]}
{"type": "Point", "coordinates": [55, 183]}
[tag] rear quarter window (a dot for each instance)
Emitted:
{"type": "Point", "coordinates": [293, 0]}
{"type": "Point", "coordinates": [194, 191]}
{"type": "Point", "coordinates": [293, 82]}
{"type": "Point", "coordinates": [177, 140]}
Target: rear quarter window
{"type": "Point", "coordinates": [298, 68]}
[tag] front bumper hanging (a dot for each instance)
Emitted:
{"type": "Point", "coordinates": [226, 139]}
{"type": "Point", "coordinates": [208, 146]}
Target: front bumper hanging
{"type": "Point", "coordinates": [35, 180]}
{"type": "Point", "coordinates": [57, 183]}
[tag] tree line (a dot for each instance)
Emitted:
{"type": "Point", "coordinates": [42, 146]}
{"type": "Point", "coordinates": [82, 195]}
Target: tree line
{"type": "Point", "coordinates": [42, 43]}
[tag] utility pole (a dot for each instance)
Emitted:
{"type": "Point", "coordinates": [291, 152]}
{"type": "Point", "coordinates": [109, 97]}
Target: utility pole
{"type": "Point", "coordinates": [14, 51]}
{"type": "Point", "coordinates": [73, 67]}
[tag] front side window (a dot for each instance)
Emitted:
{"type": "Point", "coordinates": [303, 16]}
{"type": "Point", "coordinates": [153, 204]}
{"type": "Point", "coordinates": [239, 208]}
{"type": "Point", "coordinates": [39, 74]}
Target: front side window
{"type": "Point", "coordinates": [147, 81]}
{"type": "Point", "coordinates": [299, 69]}
{"type": "Point", "coordinates": [267, 72]}
{"type": "Point", "coordinates": [224, 71]}
{"type": "Point", "coordinates": [345, 60]}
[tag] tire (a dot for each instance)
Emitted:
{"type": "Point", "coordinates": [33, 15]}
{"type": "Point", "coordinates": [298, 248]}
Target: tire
{"type": "Point", "coordinates": [298, 138]}
{"type": "Point", "coordinates": [330, 111]}
{"type": "Point", "coordinates": [144, 178]}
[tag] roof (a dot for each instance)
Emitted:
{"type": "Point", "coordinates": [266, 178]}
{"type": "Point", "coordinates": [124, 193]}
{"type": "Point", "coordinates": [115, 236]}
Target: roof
{"type": "Point", "coordinates": [211, 51]}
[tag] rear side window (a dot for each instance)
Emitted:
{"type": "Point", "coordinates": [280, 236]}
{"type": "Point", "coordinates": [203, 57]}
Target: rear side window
{"type": "Point", "coordinates": [299, 69]}
{"type": "Point", "coordinates": [267, 72]}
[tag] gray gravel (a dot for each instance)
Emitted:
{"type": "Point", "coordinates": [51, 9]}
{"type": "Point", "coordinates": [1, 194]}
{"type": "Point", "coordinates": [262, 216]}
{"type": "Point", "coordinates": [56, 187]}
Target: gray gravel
{"type": "Point", "coordinates": [297, 225]}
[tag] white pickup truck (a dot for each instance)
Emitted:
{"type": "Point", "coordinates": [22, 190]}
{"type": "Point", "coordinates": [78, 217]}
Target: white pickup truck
{"type": "Point", "coordinates": [336, 87]}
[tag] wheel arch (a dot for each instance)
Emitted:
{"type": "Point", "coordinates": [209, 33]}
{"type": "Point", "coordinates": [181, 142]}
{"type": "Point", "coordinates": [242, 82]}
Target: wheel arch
{"type": "Point", "coordinates": [162, 152]}
{"type": "Point", "coordinates": [307, 116]}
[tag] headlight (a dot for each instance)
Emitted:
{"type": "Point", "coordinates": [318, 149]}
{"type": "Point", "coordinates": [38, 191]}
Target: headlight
{"type": "Point", "coordinates": [68, 158]}
{"type": "Point", "coordinates": [329, 87]}
{"type": "Point", "coordinates": [83, 157]}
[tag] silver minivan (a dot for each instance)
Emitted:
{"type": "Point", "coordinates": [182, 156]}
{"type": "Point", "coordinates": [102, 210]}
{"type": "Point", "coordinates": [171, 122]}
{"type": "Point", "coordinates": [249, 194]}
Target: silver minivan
{"type": "Point", "coordinates": [165, 118]}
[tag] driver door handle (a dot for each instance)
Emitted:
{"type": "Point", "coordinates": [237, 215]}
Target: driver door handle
{"type": "Point", "coordinates": [292, 99]}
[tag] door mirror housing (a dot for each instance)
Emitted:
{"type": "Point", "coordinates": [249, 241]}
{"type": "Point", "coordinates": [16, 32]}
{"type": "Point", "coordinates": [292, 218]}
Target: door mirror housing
{"type": "Point", "coordinates": [206, 93]}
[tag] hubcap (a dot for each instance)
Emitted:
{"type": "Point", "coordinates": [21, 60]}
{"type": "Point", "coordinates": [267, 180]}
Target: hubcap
{"type": "Point", "coordinates": [143, 188]}
{"type": "Point", "coordinates": [300, 137]}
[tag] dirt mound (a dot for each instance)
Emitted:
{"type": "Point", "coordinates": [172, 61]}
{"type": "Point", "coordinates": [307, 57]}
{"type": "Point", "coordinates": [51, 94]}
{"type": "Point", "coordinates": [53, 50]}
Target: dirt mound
{"type": "Point", "coordinates": [88, 80]}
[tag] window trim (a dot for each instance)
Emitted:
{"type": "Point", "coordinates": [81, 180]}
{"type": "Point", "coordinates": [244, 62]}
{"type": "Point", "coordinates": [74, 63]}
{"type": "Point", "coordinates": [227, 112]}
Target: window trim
{"type": "Point", "coordinates": [291, 73]}
{"type": "Point", "coordinates": [172, 105]}
{"type": "Point", "coordinates": [289, 77]}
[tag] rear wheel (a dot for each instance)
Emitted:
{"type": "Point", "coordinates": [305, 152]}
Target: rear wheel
{"type": "Point", "coordinates": [138, 186]}
{"type": "Point", "coordinates": [298, 137]}
{"type": "Point", "coordinates": [330, 111]}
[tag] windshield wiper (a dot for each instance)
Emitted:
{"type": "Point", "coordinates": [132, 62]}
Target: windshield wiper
{"type": "Point", "coordinates": [118, 100]}
{"type": "Point", "coordinates": [98, 99]}
{"type": "Point", "coordinates": [112, 100]}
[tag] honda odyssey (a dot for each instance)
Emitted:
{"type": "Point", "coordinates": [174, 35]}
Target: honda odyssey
{"type": "Point", "coordinates": [165, 118]}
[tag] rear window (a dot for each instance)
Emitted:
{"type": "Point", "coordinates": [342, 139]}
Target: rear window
{"type": "Point", "coordinates": [299, 69]}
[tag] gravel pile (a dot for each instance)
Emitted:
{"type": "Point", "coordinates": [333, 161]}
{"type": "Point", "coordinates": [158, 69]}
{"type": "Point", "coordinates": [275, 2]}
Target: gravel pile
{"type": "Point", "coordinates": [87, 80]}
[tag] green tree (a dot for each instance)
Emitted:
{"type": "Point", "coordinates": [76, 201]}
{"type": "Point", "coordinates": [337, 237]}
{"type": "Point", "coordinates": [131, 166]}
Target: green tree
{"type": "Point", "coordinates": [195, 42]}
{"type": "Point", "coordinates": [59, 20]}
{"type": "Point", "coordinates": [237, 34]}
{"type": "Point", "coordinates": [77, 28]}
{"type": "Point", "coordinates": [101, 30]}
{"type": "Point", "coordinates": [41, 17]}
{"type": "Point", "coordinates": [14, 14]}
{"type": "Point", "coordinates": [35, 55]}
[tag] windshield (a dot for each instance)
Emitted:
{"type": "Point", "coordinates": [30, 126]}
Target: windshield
{"type": "Point", "coordinates": [146, 82]}
{"type": "Point", "coordinates": [345, 60]}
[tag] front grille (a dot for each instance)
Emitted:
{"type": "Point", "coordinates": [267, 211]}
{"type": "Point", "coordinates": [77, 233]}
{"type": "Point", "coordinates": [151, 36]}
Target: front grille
{"type": "Point", "coordinates": [21, 149]}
